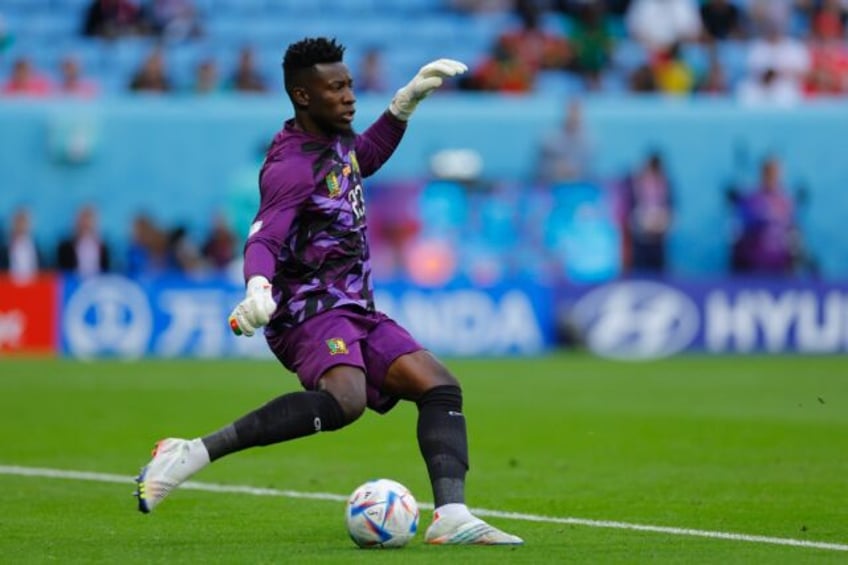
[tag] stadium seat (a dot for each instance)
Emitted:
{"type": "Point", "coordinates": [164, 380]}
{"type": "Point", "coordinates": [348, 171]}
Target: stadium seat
{"type": "Point", "coordinates": [628, 56]}
{"type": "Point", "coordinates": [734, 58]}
{"type": "Point", "coordinates": [559, 83]}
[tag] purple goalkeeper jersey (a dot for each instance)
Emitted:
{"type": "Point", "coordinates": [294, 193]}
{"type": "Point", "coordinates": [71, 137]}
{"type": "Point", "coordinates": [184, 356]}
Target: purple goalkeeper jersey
{"type": "Point", "coordinates": [309, 237]}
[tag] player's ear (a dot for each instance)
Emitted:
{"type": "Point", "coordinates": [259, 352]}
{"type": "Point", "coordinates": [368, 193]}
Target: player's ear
{"type": "Point", "coordinates": [300, 96]}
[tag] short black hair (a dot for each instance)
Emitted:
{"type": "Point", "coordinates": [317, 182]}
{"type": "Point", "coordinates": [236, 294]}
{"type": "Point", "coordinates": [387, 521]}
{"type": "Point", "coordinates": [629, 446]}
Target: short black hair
{"type": "Point", "coordinates": [308, 52]}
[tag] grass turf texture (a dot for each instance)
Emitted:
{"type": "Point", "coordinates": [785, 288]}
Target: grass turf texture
{"type": "Point", "coordinates": [753, 445]}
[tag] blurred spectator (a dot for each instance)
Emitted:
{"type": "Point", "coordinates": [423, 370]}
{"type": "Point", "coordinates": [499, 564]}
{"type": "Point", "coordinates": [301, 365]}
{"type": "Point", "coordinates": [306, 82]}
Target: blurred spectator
{"type": "Point", "coordinates": [480, 6]}
{"type": "Point", "coordinates": [502, 71]}
{"type": "Point", "coordinates": [533, 46]}
{"type": "Point", "coordinates": [828, 74]}
{"type": "Point", "coordinates": [642, 80]}
{"type": "Point", "coordinates": [84, 253]}
{"type": "Point", "coordinates": [828, 19]}
{"type": "Point", "coordinates": [767, 89]}
{"type": "Point", "coordinates": [565, 154]}
{"type": "Point", "coordinates": [206, 80]}
{"type": "Point", "coordinates": [659, 24]}
{"type": "Point", "coordinates": [714, 79]}
{"type": "Point", "coordinates": [183, 255]}
{"type": "Point", "coordinates": [722, 20]}
{"type": "Point", "coordinates": [672, 73]}
{"type": "Point", "coordinates": [147, 254]}
{"type": "Point", "coordinates": [111, 19]}
{"type": "Point", "coordinates": [592, 42]}
{"type": "Point", "coordinates": [246, 77]}
{"type": "Point", "coordinates": [647, 207]}
{"type": "Point", "coordinates": [776, 50]}
{"type": "Point", "coordinates": [777, 65]}
{"type": "Point", "coordinates": [151, 75]}
{"type": "Point", "coordinates": [174, 20]}
{"type": "Point", "coordinates": [219, 249]}
{"type": "Point", "coordinates": [370, 76]}
{"type": "Point", "coordinates": [5, 35]}
{"type": "Point", "coordinates": [26, 80]}
{"type": "Point", "coordinates": [765, 15]}
{"type": "Point", "coordinates": [71, 80]}
{"type": "Point", "coordinates": [617, 8]}
{"type": "Point", "coordinates": [21, 257]}
{"type": "Point", "coordinates": [767, 241]}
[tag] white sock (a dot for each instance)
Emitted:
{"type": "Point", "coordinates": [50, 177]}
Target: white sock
{"type": "Point", "coordinates": [199, 455]}
{"type": "Point", "coordinates": [453, 510]}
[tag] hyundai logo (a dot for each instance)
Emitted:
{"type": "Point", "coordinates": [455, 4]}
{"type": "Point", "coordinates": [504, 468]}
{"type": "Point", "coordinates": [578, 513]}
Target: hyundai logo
{"type": "Point", "coordinates": [636, 320]}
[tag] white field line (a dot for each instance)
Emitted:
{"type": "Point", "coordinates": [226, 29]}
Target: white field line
{"type": "Point", "coordinates": [254, 491]}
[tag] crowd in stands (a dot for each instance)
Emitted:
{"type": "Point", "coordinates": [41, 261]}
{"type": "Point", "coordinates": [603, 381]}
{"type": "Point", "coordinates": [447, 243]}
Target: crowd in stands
{"type": "Point", "coordinates": [569, 223]}
{"type": "Point", "coordinates": [152, 251]}
{"type": "Point", "coordinates": [763, 51]}
{"type": "Point", "coordinates": [458, 225]}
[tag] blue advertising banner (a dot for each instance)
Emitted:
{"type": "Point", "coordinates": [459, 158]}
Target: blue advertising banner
{"type": "Point", "coordinates": [644, 319]}
{"type": "Point", "coordinates": [461, 320]}
{"type": "Point", "coordinates": [113, 316]}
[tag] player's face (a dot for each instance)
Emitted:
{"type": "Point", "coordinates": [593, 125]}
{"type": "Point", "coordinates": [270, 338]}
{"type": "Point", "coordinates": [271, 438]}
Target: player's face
{"type": "Point", "coordinates": [331, 99]}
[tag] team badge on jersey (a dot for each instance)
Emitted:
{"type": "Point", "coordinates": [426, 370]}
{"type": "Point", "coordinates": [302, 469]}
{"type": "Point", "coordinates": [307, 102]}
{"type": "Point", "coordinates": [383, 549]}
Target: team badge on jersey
{"type": "Point", "coordinates": [337, 346]}
{"type": "Point", "coordinates": [333, 186]}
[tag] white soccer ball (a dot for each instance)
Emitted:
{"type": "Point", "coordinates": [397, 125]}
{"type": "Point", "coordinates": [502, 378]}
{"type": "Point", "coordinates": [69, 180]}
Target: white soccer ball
{"type": "Point", "coordinates": [381, 513]}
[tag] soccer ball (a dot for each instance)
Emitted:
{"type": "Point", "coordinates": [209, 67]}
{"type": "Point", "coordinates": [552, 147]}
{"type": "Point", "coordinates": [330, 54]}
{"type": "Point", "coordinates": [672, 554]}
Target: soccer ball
{"type": "Point", "coordinates": [381, 513]}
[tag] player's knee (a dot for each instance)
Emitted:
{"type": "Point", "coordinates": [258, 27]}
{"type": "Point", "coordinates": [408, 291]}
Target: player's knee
{"type": "Point", "coordinates": [352, 407]}
{"type": "Point", "coordinates": [434, 374]}
{"type": "Point", "coordinates": [352, 400]}
{"type": "Point", "coordinates": [443, 377]}
{"type": "Point", "coordinates": [347, 385]}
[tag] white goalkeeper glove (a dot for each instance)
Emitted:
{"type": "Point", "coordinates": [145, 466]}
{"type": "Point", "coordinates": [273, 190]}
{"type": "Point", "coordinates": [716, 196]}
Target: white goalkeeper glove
{"type": "Point", "coordinates": [430, 77]}
{"type": "Point", "coordinates": [255, 310]}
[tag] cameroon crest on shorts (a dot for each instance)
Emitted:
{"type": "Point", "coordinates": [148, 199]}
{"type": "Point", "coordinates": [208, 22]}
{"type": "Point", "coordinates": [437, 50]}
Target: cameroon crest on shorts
{"type": "Point", "coordinates": [337, 346]}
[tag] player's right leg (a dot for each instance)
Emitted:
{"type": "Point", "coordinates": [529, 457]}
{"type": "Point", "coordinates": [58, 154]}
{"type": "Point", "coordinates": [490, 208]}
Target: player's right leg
{"type": "Point", "coordinates": [442, 439]}
{"type": "Point", "coordinates": [454, 524]}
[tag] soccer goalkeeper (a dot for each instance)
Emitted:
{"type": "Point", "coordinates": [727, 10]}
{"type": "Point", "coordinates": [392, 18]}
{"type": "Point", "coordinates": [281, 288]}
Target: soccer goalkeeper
{"type": "Point", "coordinates": [306, 263]}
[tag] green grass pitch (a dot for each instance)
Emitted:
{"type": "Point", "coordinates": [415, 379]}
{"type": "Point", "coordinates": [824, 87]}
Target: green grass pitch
{"type": "Point", "coordinates": [748, 445]}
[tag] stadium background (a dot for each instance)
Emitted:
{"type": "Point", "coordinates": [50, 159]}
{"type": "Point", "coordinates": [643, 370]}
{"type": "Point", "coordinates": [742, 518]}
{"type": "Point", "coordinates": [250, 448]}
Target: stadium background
{"type": "Point", "coordinates": [728, 448]}
{"type": "Point", "coordinates": [491, 247]}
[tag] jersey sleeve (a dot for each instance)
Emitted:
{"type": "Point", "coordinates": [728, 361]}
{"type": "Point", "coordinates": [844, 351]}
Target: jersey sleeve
{"type": "Point", "coordinates": [376, 144]}
{"type": "Point", "coordinates": [282, 192]}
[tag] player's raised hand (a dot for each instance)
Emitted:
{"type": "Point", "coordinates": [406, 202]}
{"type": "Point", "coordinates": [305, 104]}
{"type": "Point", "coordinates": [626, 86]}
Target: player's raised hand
{"type": "Point", "coordinates": [429, 77]}
{"type": "Point", "coordinates": [255, 310]}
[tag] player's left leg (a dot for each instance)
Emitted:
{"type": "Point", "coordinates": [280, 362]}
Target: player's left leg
{"type": "Point", "coordinates": [442, 439]}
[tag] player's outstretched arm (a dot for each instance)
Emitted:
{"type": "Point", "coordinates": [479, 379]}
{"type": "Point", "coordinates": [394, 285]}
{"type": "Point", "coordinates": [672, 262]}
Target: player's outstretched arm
{"type": "Point", "coordinates": [429, 77]}
{"type": "Point", "coordinates": [255, 310]}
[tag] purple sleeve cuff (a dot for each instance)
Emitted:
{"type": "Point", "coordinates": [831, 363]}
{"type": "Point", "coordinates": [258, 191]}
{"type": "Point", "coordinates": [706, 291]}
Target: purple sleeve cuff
{"type": "Point", "coordinates": [262, 247]}
{"type": "Point", "coordinates": [258, 260]}
{"type": "Point", "coordinates": [378, 142]}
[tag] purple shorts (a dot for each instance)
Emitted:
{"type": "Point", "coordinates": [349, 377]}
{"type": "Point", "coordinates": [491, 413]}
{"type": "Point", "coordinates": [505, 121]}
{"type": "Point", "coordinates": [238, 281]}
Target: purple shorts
{"type": "Point", "coordinates": [342, 336]}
